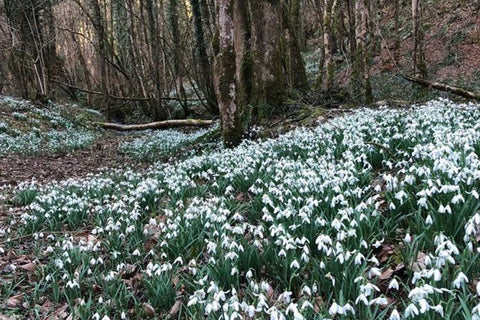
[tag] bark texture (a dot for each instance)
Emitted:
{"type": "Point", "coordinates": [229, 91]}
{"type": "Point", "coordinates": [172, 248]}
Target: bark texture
{"type": "Point", "coordinates": [270, 82]}
{"type": "Point", "coordinates": [225, 76]}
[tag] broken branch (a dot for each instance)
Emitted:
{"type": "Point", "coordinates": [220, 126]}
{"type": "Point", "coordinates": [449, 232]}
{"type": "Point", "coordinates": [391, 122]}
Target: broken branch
{"type": "Point", "coordinates": [156, 125]}
{"type": "Point", "coordinates": [444, 87]}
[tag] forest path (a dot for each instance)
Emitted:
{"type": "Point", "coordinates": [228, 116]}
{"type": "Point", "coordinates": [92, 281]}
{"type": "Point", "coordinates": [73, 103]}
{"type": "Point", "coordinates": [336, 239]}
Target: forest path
{"type": "Point", "coordinates": [104, 153]}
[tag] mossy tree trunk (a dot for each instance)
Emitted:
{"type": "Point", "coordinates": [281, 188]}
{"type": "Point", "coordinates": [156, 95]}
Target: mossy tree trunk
{"type": "Point", "coordinates": [270, 82]}
{"type": "Point", "coordinates": [295, 66]}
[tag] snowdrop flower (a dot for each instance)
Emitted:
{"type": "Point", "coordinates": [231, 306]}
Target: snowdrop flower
{"type": "Point", "coordinates": [437, 275]}
{"type": "Point", "coordinates": [307, 291]}
{"type": "Point", "coordinates": [424, 306]}
{"type": "Point", "coordinates": [306, 305]}
{"type": "Point", "coordinates": [178, 260]}
{"type": "Point", "coordinates": [73, 284]}
{"type": "Point", "coordinates": [334, 309]}
{"type": "Point", "coordinates": [393, 284]}
{"type": "Point", "coordinates": [379, 301]}
{"type": "Point", "coordinates": [394, 315]}
{"type": "Point", "coordinates": [438, 309]}
{"type": "Point", "coordinates": [361, 297]}
{"type": "Point", "coordinates": [458, 198]}
{"type": "Point", "coordinates": [348, 308]}
{"type": "Point", "coordinates": [411, 311]}
{"type": "Point", "coordinates": [429, 220]}
{"type": "Point", "coordinates": [407, 238]}
{"type": "Point", "coordinates": [445, 209]}
{"type": "Point", "coordinates": [374, 272]}
{"type": "Point", "coordinates": [285, 296]}
{"type": "Point", "coordinates": [459, 280]}
{"type": "Point", "coordinates": [295, 265]}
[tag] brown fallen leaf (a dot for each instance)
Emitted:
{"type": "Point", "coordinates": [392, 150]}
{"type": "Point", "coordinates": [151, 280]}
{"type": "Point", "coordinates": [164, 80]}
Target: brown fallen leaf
{"type": "Point", "coordinates": [318, 304]}
{"type": "Point", "coordinates": [387, 274]}
{"type": "Point", "coordinates": [29, 267]}
{"type": "Point", "coordinates": [385, 253]}
{"type": "Point", "coordinates": [148, 310]}
{"type": "Point", "coordinates": [241, 197]}
{"type": "Point", "coordinates": [61, 312]}
{"type": "Point", "coordinates": [175, 281]}
{"type": "Point", "coordinates": [46, 306]}
{"type": "Point", "coordinates": [176, 307]}
{"type": "Point", "coordinates": [14, 302]}
{"type": "Point", "coordinates": [419, 265]}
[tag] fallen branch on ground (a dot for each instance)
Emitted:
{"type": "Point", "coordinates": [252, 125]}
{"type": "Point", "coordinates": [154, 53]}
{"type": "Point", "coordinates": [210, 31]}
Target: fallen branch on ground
{"type": "Point", "coordinates": [156, 125]}
{"type": "Point", "coordinates": [444, 87]}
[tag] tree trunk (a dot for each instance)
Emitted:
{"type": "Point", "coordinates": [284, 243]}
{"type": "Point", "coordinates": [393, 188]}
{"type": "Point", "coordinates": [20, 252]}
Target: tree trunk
{"type": "Point", "coordinates": [327, 41]}
{"type": "Point", "coordinates": [205, 74]}
{"type": "Point", "coordinates": [101, 37]}
{"type": "Point", "coordinates": [225, 76]}
{"type": "Point", "coordinates": [176, 55]}
{"type": "Point", "coordinates": [361, 68]}
{"type": "Point", "coordinates": [269, 88]}
{"type": "Point", "coordinates": [295, 66]}
{"type": "Point", "coordinates": [419, 65]}
{"type": "Point", "coordinates": [157, 107]}
{"type": "Point", "coordinates": [396, 36]}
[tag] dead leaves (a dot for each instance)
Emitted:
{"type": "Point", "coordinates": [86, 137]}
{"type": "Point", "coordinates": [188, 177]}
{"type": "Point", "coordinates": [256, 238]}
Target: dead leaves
{"type": "Point", "coordinates": [148, 310]}
{"type": "Point", "coordinates": [14, 302]}
{"type": "Point", "coordinates": [176, 307]}
{"type": "Point", "coordinates": [30, 267]}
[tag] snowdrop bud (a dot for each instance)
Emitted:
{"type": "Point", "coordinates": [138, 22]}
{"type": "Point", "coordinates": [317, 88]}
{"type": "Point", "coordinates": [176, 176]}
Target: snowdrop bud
{"type": "Point", "coordinates": [407, 238]}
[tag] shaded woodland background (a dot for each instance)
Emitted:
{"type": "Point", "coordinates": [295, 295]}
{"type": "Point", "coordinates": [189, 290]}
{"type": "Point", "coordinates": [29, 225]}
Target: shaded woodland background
{"type": "Point", "coordinates": [165, 59]}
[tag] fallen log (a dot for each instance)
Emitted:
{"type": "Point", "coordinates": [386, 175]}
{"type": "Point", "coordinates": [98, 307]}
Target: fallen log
{"type": "Point", "coordinates": [156, 125]}
{"type": "Point", "coordinates": [443, 87]}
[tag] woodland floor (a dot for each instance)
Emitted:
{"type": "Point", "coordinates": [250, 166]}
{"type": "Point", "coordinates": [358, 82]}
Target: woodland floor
{"type": "Point", "coordinates": [47, 167]}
